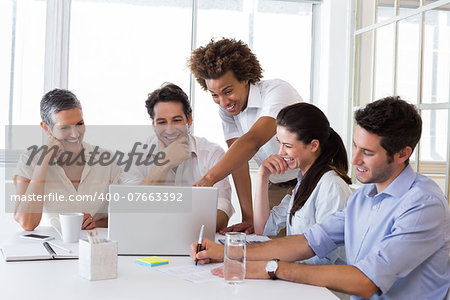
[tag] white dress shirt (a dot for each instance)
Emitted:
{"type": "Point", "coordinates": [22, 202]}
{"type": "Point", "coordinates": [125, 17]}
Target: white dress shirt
{"type": "Point", "coordinates": [204, 155]}
{"type": "Point", "coordinates": [329, 195]}
{"type": "Point", "coordinates": [265, 99]}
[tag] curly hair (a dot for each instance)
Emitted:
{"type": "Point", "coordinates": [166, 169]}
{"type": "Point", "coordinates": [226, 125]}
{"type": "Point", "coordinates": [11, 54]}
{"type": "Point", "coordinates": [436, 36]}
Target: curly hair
{"type": "Point", "coordinates": [218, 57]}
{"type": "Point", "coordinates": [397, 122]}
{"type": "Point", "coordinates": [168, 92]}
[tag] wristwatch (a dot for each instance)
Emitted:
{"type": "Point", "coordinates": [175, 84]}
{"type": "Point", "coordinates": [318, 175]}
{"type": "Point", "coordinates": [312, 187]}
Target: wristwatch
{"type": "Point", "coordinates": [271, 268]}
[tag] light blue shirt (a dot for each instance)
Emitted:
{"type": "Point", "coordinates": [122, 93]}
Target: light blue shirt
{"type": "Point", "coordinates": [399, 238]}
{"type": "Point", "coordinates": [329, 195]}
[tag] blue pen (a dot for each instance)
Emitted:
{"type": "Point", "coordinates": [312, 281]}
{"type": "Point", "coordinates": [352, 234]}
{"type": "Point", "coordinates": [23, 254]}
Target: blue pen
{"type": "Point", "coordinates": [199, 244]}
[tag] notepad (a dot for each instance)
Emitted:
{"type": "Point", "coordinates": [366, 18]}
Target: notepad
{"type": "Point", "coordinates": [151, 261]}
{"type": "Point", "coordinates": [36, 251]}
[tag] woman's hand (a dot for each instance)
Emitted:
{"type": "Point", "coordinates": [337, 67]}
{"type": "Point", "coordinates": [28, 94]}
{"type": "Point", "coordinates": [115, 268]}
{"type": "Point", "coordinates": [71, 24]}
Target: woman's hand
{"type": "Point", "coordinates": [274, 164]}
{"type": "Point", "coordinates": [88, 222]}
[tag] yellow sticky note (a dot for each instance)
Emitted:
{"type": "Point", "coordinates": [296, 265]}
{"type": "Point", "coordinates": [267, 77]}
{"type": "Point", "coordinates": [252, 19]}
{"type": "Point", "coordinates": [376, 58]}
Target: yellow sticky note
{"type": "Point", "coordinates": [151, 261]}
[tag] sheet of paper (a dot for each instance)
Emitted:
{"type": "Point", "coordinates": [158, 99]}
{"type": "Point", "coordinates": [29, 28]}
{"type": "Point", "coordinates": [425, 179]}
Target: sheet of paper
{"type": "Point", "coordinates": [193, 273]}
{"type": "Point", "coordinates": [60, 253]}
{"type": "Point", "coordinates": [249, 238]}
{"type": "Point", "coordinates": [254, 238]}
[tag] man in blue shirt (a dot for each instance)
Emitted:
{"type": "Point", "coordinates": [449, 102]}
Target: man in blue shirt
{"type": "Point", "coordinates": [395, 228]}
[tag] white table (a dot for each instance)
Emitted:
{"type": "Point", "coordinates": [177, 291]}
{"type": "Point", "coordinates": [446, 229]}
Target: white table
{"type": "Point", "coordinates": [58, 279]}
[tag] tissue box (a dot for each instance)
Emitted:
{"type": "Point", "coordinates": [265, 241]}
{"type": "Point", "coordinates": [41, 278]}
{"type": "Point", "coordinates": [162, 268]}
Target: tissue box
{"type": "Point", "coordinates": [97, 261]}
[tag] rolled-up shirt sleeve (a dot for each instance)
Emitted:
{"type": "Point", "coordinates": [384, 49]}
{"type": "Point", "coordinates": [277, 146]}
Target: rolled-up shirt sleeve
{"type": "Point", "coordinates": [278, 97]}
{"type": "Point", "coordinates": [328, 235]}
{"type": "Point", "coordinates": [415, 236]}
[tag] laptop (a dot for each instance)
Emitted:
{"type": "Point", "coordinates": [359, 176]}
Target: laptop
{"type": "Point", "coordinates": [160, 220]}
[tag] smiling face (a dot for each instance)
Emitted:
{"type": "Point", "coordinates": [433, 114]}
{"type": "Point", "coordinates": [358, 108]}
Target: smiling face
{"type": "Point", "coordinates": [69, 129]}
{"type": "Point", "coordinates": [296, 153]}
{"type": "Point", "coordinates": [373, 165]}
{"type": "Point", "coordinates": [229, 93]}
{"type": "Point", "coordinates": [170, 121]}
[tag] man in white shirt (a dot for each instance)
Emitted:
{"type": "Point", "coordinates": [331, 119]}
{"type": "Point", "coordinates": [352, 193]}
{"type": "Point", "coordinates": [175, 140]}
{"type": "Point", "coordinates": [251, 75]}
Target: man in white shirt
{"type": "Point", "coordinates": [248, 108]}
{"type": "Point", "coordinates": [188, 157]}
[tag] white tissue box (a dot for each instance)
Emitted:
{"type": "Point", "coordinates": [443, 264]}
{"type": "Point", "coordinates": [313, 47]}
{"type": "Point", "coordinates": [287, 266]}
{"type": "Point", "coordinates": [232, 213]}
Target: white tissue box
{"type": "Point", "coordinates": [97, 261]}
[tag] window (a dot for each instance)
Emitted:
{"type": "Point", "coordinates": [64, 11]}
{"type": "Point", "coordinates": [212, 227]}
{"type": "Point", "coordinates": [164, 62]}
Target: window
{"type": "Point", "coordinates": [112, 53]}
{"type": "Point", "coordinates": [278, 32]}
{"type": "Point", "coordinates": [22, 32]}
{"type": "Point", "coordinates": [122, 50]}
{"type": "Point", "coordinates": [405, 50]}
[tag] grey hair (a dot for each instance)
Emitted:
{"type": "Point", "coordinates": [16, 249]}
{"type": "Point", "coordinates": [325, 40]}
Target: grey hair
{"type": "Point", "coordinates": [55, 101]}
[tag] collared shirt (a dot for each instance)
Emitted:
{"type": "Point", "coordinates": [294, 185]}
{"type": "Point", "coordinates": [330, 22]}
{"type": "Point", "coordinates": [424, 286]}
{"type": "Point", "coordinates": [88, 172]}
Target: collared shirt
{"type": "Point", "coordinates": [399, 238]}
{"type": "Point", "coordinates": [204, 155]}
{"type": "Point", "coordinates": [94, 185]}
{"type": "Point", "coordinates": [329, 195]}
{"type": "Point", "coordinates": [265, 99]}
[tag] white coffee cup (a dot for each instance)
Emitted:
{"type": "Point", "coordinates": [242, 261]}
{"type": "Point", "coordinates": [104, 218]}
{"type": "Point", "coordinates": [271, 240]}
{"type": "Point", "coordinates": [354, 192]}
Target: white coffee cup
{"type": "Point", "coordinates": [70, 224]}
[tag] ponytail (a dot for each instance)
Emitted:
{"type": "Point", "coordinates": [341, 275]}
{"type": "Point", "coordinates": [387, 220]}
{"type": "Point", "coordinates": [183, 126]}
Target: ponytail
{"type": "Point", "coordinates": [309, 123]}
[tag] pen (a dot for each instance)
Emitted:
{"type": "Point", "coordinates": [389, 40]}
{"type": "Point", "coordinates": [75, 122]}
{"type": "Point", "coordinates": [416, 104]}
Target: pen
{"type": "Point", "coordinates": [49, 249]}
{"type": "Point", "coordinates": [60, 247]}
{"type": "Point", "coordinates": [199, 244]}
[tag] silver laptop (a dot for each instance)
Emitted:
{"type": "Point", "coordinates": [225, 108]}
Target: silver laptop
{"type": "Point", "coordinates": [160, 220]}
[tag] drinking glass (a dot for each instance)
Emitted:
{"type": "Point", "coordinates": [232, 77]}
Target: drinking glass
{"type": "Point", "coordinates": [234, 257]}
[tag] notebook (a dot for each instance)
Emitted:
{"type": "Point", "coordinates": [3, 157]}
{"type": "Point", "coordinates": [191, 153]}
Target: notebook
{"type": "Point", "coordinates": [37, 251]}
{"type": "Point", "coordinates": [160, 220]}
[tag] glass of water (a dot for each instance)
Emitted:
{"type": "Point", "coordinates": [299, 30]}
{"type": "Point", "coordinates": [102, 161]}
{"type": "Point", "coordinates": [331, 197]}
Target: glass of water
{"type": "Point", "coordinates": [234, 257]}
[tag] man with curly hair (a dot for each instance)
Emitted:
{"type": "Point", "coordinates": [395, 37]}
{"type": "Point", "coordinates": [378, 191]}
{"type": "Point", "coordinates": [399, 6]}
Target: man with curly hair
{"type": "Point", "coordinates": [229, 70]}
{"type": "Point", "coordinates": [395, 228]}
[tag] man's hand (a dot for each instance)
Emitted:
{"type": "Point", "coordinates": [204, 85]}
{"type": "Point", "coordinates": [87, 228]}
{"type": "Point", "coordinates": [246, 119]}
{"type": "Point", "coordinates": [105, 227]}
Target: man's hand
{"type": "Point", "coordinates": [204, 181]}
{"type": "Point", "coordinates": [88, 222]}
{"type": "Point", "coordinates": [245, 226]}
{"type": "Point", "coordinates": [211, 252]}
{"type": "Point", "coordinates": [177, 152]}
{"type": "Point", "coordinates": [51, 142]}
{"type": "Point", "coordinates": [253, 270]}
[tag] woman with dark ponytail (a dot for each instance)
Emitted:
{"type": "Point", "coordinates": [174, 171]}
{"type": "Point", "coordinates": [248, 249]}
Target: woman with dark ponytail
{"type": "Point", "coordinates": [307, 142]}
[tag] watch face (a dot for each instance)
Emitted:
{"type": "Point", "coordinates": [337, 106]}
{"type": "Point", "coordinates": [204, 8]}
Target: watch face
{"type": "Point", "coordinates": [271, 266]}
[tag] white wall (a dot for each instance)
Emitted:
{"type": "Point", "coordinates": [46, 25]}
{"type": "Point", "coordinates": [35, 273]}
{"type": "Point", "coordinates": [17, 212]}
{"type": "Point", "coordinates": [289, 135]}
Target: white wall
{"type": "Point", "coordinates": [333, 59]}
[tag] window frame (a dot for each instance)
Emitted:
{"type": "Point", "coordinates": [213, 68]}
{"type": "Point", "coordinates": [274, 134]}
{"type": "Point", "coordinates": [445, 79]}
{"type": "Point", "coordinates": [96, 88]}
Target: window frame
{"type": "Point", "coordinates": [426, 166]}
{"type": "Point", "coordinates": [57, 44]}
